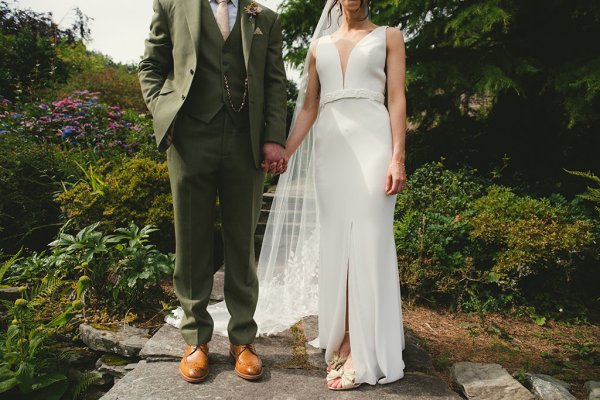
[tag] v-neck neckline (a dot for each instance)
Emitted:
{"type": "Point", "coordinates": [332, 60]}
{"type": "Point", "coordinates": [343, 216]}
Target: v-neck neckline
{"type": "Point", "coordinates": [344, 71]}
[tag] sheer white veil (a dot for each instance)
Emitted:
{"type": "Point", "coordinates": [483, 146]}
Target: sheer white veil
{"type": "Point", "coordinates": [288, 265]}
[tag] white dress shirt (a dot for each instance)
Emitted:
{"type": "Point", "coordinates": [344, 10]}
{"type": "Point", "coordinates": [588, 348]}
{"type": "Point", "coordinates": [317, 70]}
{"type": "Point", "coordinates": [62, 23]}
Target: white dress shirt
{"type": "Point", "coordinates": [231, 7]}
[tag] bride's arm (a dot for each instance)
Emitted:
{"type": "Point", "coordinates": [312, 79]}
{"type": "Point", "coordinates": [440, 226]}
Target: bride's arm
{"type": "Point", "coordinates": [396, 74]}
{"type": "Point", "coordinates": [310, 108]}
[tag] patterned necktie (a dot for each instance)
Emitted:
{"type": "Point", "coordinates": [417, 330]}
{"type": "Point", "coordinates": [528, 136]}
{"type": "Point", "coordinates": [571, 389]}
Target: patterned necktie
{"type": "Point", "coordinates": [223, 17]}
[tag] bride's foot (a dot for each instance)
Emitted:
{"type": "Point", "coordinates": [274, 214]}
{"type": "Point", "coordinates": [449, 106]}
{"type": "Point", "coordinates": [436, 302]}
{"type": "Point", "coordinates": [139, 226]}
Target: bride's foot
{"type": "Point", "coordinates": [340, 356]}
{"type": "Point", "coordinates": [343, 379]}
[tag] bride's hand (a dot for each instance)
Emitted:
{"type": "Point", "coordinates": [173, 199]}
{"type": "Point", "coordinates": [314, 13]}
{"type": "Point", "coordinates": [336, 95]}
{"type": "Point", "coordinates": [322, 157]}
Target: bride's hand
{"type": "Point", "coordinates": [396, 178]}
{"type": "Point", "coordinates": [286, 159]}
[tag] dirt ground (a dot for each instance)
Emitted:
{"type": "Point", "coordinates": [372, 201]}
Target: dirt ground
{"type": "Point", "coordinates": [567, 352]}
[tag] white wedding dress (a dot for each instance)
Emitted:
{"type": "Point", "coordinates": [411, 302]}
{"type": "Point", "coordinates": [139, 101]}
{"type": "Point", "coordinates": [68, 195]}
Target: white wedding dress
{"type": "Point", "coordinates": [353, 149]}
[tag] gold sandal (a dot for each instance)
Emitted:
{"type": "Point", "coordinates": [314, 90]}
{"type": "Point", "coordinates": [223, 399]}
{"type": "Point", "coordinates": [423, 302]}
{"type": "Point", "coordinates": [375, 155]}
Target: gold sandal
{"type": "Point", "coordinates": [336, 361]}
{"type": "Point", "coordinates": [347, 376]}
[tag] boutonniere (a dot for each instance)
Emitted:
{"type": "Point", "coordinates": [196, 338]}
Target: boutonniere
{"type": "Point", "coordinates": [253, 10]}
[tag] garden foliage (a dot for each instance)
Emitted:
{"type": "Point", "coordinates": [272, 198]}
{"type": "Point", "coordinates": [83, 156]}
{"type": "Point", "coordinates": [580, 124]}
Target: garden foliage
{"type": "Point", "coordinates": [46, 148]}
{"type": "Point", "coordinates": [480, 246]}
{"type": "Point", "coordinates": [124, 270]}
{"type": "Point", "coordinates": [136, 190]}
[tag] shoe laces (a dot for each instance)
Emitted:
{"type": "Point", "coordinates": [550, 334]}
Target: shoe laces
{"type": "Point", "coordinates": [249, 346]}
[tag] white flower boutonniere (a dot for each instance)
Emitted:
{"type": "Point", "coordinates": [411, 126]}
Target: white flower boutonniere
{"type": "Point", "coordinates": [253, 10]}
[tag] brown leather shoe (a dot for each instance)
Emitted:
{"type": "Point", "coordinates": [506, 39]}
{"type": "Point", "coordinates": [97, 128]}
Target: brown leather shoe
{"type": "Point", "coordinates": [194, 364]}
{"type": "Point", "coordinates": [248, 364]}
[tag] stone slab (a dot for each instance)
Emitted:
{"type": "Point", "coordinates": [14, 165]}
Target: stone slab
{"type": "Point", "coordinates": [125, 340]}
{"type": "Point", "coordinates": [161, 381]}
{"type": "Point", "coordinates": [416, 358]}
{"type": "Point", "coordinates": [167, 344]}
{"type": "Point", "coordinates": [479, 381]}
{"type": "Point", "coordinates": [546, 387]}
{"type": "Point", "coordinates": [592, 389]}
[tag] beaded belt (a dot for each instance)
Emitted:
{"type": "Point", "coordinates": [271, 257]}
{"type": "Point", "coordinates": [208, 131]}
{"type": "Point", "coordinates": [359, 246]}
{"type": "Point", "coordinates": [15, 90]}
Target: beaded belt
{"type": "Point", "coordinates": [351, 93]}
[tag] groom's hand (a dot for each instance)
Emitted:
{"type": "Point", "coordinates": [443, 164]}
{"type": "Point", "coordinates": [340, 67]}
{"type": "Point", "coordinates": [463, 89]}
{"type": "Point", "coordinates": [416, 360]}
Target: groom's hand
{"type": "Point", "coordinates": [273, 158]}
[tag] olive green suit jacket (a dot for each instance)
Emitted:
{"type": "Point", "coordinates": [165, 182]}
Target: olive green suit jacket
{"type": "Point", "coordinates": [170, 60]}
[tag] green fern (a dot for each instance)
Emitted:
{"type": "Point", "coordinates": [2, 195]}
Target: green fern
{"type": "Point", "coordinates": [592, 193]}
{"type": "Point", "coordinates": [46, 288]}
{"type": "Point", "coordinates": [83, 384]}
{"type": "Point", "coordinates": [8, 263]}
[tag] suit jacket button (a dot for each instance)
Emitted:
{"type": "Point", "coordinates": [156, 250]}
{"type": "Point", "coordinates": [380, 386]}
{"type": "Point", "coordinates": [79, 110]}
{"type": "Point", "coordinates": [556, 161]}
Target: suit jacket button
{"type": "Point", "coordinates": [183, 97]}
{"type": "Point", "coordinates": [191, 71]}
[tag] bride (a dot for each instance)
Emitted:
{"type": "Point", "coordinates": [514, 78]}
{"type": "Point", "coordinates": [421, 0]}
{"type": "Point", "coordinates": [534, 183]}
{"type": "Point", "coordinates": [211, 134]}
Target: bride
{"type": "Point", "coordinates": [358, 170]}
{"type": "Point", "coordinates": [328, 247]}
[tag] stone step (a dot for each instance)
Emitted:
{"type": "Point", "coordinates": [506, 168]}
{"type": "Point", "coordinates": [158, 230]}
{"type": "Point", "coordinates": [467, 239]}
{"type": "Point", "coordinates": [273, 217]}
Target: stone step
{"type": "Point", "coordinates": [161, 381]}
{"type": "Point", "coordinates": [481, 381]}
{"type": "Point", "coordinates": [287, 374]}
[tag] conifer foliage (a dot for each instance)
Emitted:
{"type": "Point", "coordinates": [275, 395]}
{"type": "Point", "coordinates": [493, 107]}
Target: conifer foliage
{"type": "Point", "coordinates": [496, 84]}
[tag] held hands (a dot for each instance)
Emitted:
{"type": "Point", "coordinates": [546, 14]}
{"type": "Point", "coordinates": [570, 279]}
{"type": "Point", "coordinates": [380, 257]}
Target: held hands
{"type": "Point", "coordinates": [396, 178]}
{"type": "Point", "coordinates": [274, 159]}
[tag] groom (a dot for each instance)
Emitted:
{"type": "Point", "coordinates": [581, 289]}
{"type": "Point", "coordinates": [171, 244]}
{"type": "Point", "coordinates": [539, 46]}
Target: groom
{"type": "Point", "coordinates": [213, 79]}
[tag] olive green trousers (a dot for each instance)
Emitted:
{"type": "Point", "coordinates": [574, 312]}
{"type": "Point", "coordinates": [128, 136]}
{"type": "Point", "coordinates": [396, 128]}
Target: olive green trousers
{"type": "Point", "coordinates": [206, 159]}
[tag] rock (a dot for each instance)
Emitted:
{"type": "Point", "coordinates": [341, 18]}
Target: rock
{"type": "Point", "coordinates": [286, 375]}
{"type": "Point", "coordinates": [9, 293]}
{"type": "Point", "coordinates": [81, 356]}
{"type": "Point", "coordinates": [106, 380]}
{"type": "Point", "coordinates": [487, 382]}
{"type": "Point", "coordinates": [545, 387]}
{"type": "Point", "coordinates": [125, 340]}
{"type": "Point", "coordinates": [116, 371]}
{"type": "Point", "coordinates": [592, 389]}
{"type": "Point", "coordinates": [93, 393]}
{"type": "Point", "coordinates": [114, 365]}
{"type": "Point", "coordinates": [161, 381]}
{"type": "Point", "coordinates": [415, 357]}
{"type": "Point", "coordinates": [168, 345]}
{"type": "Point", "coordinates": [130, 367]}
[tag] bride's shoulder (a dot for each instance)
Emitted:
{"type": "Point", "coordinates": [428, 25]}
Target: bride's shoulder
{"type": "Point", "coordinates": [312, 47]}
{"type": "Point", "coordinates": [394, 36]}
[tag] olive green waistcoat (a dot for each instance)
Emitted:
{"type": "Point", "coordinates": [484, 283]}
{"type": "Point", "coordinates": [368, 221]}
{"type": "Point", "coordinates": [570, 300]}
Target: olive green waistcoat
{"type": "Point", "coordinates": [217, 58]}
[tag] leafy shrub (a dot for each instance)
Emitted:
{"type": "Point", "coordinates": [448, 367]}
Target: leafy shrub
{"type": "Point", "coordinates": [435, 255]}
{"type": "Point", "coordinates": [464, 242]}
{"type": "Point", "coordinates": [533, 246]}
{"type": "Point", "coordinates": [123, 270]}
{"type": "Point", "coordinates": [29, 174]}
{"type": "Point", "coordinates": [136, 190]}
{"type": "Point", "coordinates": [31, 365]}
